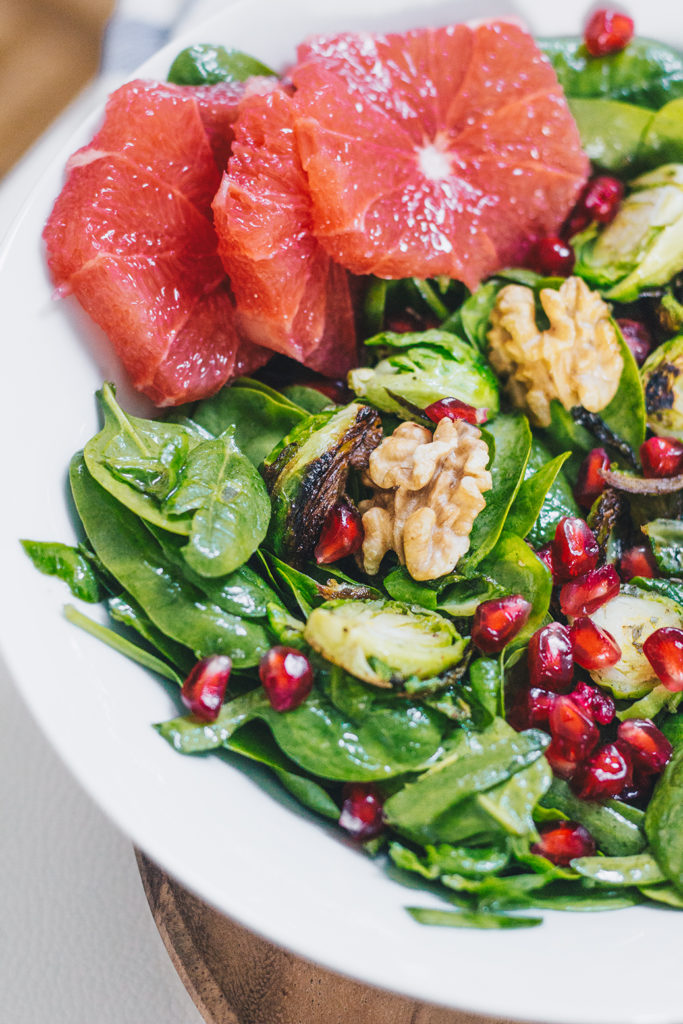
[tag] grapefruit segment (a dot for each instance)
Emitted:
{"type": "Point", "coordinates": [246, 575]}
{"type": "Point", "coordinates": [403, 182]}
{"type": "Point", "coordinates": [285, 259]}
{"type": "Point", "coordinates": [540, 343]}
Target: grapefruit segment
{"type": "Point", "coordinates": [438, 151]}
{"type": "Point", "coordinates": [289, 294]}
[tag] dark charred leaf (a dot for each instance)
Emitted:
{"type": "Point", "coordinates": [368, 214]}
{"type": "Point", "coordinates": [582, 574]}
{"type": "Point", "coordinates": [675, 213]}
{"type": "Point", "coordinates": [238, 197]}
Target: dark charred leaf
{"type": "Point", "coordinates": [604, 434]}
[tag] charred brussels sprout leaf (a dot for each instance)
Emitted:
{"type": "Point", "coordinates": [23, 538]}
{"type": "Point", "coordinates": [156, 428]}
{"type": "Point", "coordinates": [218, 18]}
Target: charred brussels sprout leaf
{"type": "Point", "coordinates": [662, 376]}
{"type": "Point", "coordinates": [306, 475]}
{"type": "Point", "coordinates": [420, 369]}
{"type": "Point", "coordinates": [384, 642]}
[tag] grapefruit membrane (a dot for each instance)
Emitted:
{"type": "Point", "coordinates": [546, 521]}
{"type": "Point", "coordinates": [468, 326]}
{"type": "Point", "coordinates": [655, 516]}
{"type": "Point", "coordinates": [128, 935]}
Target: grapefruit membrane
{"type": "Point", "coordinates": [434, 152]}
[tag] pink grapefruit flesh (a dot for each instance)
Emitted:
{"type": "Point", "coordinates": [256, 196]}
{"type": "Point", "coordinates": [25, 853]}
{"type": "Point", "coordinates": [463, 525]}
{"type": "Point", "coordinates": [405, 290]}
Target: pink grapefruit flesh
{"type": "Point", "coordinates": [434, 152]}
{"type": "Point", "coordinates": [290, 296]}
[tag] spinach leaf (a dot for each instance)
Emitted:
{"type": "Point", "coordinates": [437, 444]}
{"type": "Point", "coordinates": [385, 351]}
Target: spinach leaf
{"type": "Point", "coordinates": [470, 919]}
{"type": "Point", "coordinates": [511, 804]}
{"type": "Point", "coordinates": [663, 894]}
{"type": "Point", "coordinates": [612, 133]}
{"type": "Point", "coordinates": [472, 862]}
{"type": "Point", "coordinates": [230, 504]}
{"type": "Point", "coordinates": [260, 417]}
{"type": "Point", "coordinates": [512, 440]}
{"type": "Point", "coordinates": [646, 73]}
{"type": "Point", "coordinates": [610, 823]}
{"type": "Point", "coordinates": [514, 567]}
{"type": "Point", "coordinates": [310, 399]}
{"type": "Point", "coordinates": [638, 869]}
{"type": "Point", "coordinates": [531, 498]}
{"type": "Point", "coordinates": [662, 142]}
{"type": "Point", "coordinates": [472, 319]}
{"type": "Point", "coordinates": [128, 613]}
{"type": "Point", "coordinates": [121, 644]}
{"type": "Point", "coordinates": [68, 564]}
{"type": "Point", "coordinates": [178, 609]}
{"type": "Point", "coordinates": [485, 685]}
{"type": "Point", "coordinates": [139, 460]}
{"type": "Point", "coordinates": [664, 820]}
{"type": "Point", "coordinates": [207, 64]}
{"type": "Point", "coordinates": [559, 499]}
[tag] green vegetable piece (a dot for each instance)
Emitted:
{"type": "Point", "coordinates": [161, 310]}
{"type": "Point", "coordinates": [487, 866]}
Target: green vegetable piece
{"type": "Point", "coordinates": [310, 399]}
{"type": "Point", "coordinates": [189, 736]}
{"type": "Point", "coordinates": [306, 475]}
{"type": "Point", "coordinates": [310, 794]}
{"type": "Point", "coordinates": [639, 869]}
{"type": "Point", "coordinates": [472, 862]}
{"type": "Point", "coordinates": [475, 763]}
{"type": "Point", "coordinates": [470, 919]}
{"type": "Point", "coordinates": [207, 64]}
{"type": "Point", "coordinates": [666, 539]}
{"type": "Point", "coordinates": [651, 704]}
{"type": "Point", "coordinates": [612, 133]}
{"type": "Point", "coordinates": [464, 596]}
{"type": "Point", "coordinates": [422, 368]}
{"type": "Point", "coordinates": [230, 505]}
{"type": "Point", "coordinates": [662, 376]}
{"type": "Point", "coordinates": [384, 642]}
{"type": "Point", "coordinates": [472, 319]}
{"type": "Point", "coordinates": [662, 142]}
{"type": "Point", "coordinates": [514, 567]}
{"type": "Point", "coordinates": [647, 73]}
{"type": "Point", "coordinates": [127, 612]}
{"type": "Point", "coordinates": [615, 834]}
{"type": "Point", "coordinates": [121, 644]}
{"type": "Point", "coordinates": [176, 607]}
{"type": "Point", "coordinates": [663, 894]}
{"type": "Point", "coordinates": [68, 564]}
{"type": "Point", "coordinates": [511, 804]}
{"type": "Point", "coordinates": [511, 445]}
{"type": "Point", "coordinates": [672, 728]}
{"type": "Point", "coordinates": [559, 498]}
{"type": "Point", "coordinates": [664, 821]}
{"type": "Point", "coordinates": [531, 497]}
{"type": "Point", "coordinates": [643, 246]}
{"type": "Point", "coordinates": [260, 416]}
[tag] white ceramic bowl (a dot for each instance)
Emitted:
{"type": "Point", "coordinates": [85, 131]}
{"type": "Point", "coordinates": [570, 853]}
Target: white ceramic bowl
{"type": "Point", "coordinates": [227, 833]}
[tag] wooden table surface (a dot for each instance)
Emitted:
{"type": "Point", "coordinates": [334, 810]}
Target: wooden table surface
{"type": "Point", "coordinates": [49, 50]}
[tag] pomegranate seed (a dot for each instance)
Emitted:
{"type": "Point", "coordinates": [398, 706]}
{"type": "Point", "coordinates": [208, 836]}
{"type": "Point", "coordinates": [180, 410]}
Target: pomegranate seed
{"type": "Point", "coordinates": [572, 728]}
{"type": "Point", "coordinates": [590, 484]}
{"type": "Point", "coordinates": [637, 337]}
{"type": "Point", "coordinates": [606, 773]}
{"type": "Point", "coordinates": [362, 811]}
{"type": "Point", "coordinates": [649, 748]}
{"type": "Point", "coordinates": [599, 705]}
{"type": "Point", "coordinates": [602, 197]}
{"type": "Point", "coordinates": [454, 409]}
{"type": "Point", "coordinates": [341, 535]}
{"type": "Point", "coordinates": [540, 703]}
{"type": "Point", "coordinates": [562, 841]}
{"type": "Point", "coordinates": [563, 762]}
{"type": "Point", "coordinates": [638, 793]}
{"type": "Point", "coordinates": [529, 707]}
{"type": "Point", "coordinates": [203, 691]}
{"type": "Point", "coordinates": [552, 256]}
{"type": "Point", "coordinates": [546, 555]}
{"type": "Point", "coordinates": [664, 650]}
{"type": "Point", "coordinates": [594, 648]}
{"type": "Point", "coordinates": [497, 622]}
{"type": "Point", "coordinates": [638, 561]}
{"type": "Point", "coordinates": [661, 457]}
{"type": "Point", "coordinates": [287, 677]}
{"type": "Point", "coordinates": [550, 659]}
{"type": "Point", "coordinates": [585, 595]}
{"type": "Point", "coordinates": [607, 31]}
{"type": "Point", "coordinates": [575, 549]}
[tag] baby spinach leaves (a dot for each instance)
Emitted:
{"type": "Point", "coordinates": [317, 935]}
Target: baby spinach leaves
{"type": "Point", "coordinates": [207, 64]}
{"type": "Point", "coordinates": [664, 821]}
{"type": "Point", "coordinates": [67, 563]}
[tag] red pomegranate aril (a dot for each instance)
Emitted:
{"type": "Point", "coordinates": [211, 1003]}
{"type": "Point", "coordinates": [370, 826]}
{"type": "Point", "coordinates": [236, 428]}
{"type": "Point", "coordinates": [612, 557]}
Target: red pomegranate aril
{"type": "Point", "coordinates": [362, 811]}
{"type": "Point", "coordinates": [661, 457]}
{"type": "Point", "coordinates": [649, 748]}
{"type": "Point", "coordinates": [454, 409]}
{"type": "Point", "coordinates": [552, 256]}
{"type": "Point", "coordinates": [590, 484]}
{"type": "Point", "coordinates": [607, 31]}
{"type": "Point", "coordinates": [341, 535]}
{"type": "Point", "coordinates": [637, 337]}
{"type": "Point", "coordinates": [585, 595]}
{"type": "Point", "coordinates": [550, 659]}
{"type": "Point", "coordinates": [597, 704]}
{"type": "Point", "coordinates": [572, 728]}
{"type": "Point", "coordinates": [546, 556]}
{"type": "Point", "coordinates": [575, 549]}
{"type": "Point", "coordinates": [287, 677]}
{"type": "Point", "coordinates": [540, 703]}
{"type": "Point", "coordinates": [638, 561]}
{"type": "Point", "coordinates": [563, 841]}
{"type": "Point", "coordinates": [564, 762]}
{"type": "Point", "coordinates": [602, 197]}
{"type": "Point", "coordinates": [498, 621]}
{"type": "Point", "coordinates": [204, 689]}
{"type": "Point", "coordinates": [664, 650]}
{"type": "Point", "coordinates": [594, 648]}
{"type": "Point", "coordinates": [607, 772]}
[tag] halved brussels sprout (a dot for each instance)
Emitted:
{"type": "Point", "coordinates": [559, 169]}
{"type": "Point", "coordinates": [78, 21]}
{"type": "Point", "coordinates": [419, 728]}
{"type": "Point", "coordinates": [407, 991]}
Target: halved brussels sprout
{"type": "Point", "coordinates": [423, 368]}
{"type": "Point", "coordinates": [643, 246]}
{"type": "Point", "coordinates": [384, 642]}
{"type": "Point", "coordinates": [662, 376]}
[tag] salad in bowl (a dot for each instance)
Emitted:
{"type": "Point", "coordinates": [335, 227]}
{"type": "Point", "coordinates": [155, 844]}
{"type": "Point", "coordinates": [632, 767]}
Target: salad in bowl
{"type": "Point", "coordinates": [404, 530]}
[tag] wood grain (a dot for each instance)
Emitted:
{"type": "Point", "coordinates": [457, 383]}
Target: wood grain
{"type": "Point", "coordinates": [234, 977]}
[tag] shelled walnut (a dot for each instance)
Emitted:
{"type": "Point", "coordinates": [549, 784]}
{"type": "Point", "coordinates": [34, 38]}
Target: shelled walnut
{"type": "Point", "coordinates": [576, 360]}
{"type": "Point", "coordinates": [428, 490]}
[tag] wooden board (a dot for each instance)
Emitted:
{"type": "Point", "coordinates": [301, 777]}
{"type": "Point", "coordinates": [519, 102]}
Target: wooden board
{"type": "Point", "coordinates": [234, 977]}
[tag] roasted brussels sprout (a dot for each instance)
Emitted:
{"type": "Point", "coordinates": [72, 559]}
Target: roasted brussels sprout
{"type": "Point", "coordinates": [662, 376]}
{"type": "Point", "coordinates": [384, 642]}
{"type": "Point", "coordinates": [306, 474]}
{"type": "Point", "coordinates": [643, 246]}
{"type": "Point", "coordinates": [422, 368]}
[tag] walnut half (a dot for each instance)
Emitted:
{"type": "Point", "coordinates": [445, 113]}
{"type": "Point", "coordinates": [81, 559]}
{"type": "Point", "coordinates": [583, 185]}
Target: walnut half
{"type": "Point", "coordinates": [428, 490]}
{"type": "Point", "coordinates": [576, 360]}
